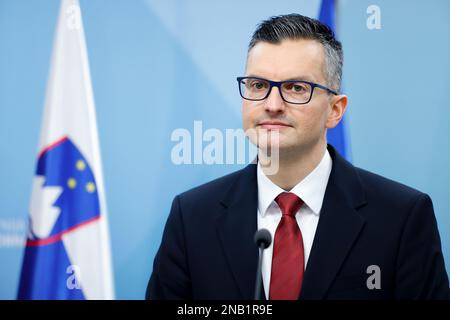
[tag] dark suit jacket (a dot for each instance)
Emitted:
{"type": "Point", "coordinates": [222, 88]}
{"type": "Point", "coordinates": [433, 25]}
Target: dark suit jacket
{"type": "Point", "coordinates": [207, 250]}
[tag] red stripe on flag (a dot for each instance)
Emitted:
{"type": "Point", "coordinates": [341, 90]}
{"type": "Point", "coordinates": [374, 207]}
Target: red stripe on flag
{"type": "Point", "coordinates": [57, 237]}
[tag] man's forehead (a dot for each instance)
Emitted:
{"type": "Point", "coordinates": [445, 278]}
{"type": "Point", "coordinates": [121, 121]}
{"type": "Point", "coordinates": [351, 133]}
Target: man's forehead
{"type": "Point", "coordinates": [291, 59]}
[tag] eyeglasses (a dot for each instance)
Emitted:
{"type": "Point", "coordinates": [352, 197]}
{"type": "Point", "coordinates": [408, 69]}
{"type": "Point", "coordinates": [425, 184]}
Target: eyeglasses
{"type": "Point", "coordinates": [291, 91]}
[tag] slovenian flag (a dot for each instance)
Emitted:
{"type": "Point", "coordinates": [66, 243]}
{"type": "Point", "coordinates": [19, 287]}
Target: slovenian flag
{"type": "Point", "coordinates": [67, 254]}
{"type": "Point", "coordinates": [338, 135]}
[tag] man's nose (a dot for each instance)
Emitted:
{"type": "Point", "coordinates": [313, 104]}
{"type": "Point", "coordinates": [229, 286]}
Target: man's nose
{"type": "Point", "coordinates": [274, 103]}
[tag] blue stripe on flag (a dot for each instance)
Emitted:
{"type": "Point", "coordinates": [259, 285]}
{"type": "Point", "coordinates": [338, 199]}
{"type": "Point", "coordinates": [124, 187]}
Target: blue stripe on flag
{"type": "Point", "coordinates": [44, 274]}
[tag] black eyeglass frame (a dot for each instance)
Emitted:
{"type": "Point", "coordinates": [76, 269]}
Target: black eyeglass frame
{"type": "Point", "coordinates": [278, 84]}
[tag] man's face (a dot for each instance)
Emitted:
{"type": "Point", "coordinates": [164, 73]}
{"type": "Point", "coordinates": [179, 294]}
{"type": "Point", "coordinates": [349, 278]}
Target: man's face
{"type": "Point", "coordinates": [299, 127]}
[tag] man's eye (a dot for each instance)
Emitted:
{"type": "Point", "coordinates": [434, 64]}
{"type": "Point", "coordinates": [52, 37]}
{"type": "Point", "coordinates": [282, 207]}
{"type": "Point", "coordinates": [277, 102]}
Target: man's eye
{"type": "Point", "coordinates": [295, 87]}
{"type": "Point", "coordinates": [298, 88]}
{"type": "Point", "coordinates": [258, 85]}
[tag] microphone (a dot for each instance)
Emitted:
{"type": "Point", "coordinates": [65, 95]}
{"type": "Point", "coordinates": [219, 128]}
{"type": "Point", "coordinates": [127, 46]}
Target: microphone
{"type": "Point", "coordinates": [263, 239]}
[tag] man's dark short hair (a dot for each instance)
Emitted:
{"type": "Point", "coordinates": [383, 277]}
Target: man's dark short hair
{"type": "Point", "coordinates": [295, 27]}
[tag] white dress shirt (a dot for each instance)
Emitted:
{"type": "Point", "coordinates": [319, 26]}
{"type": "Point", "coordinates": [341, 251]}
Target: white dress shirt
{"type": "Point", "coordinates": [311, 190]}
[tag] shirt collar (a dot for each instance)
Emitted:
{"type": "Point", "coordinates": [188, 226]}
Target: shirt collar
{"type": "Point", "coordinates": [311, 189]}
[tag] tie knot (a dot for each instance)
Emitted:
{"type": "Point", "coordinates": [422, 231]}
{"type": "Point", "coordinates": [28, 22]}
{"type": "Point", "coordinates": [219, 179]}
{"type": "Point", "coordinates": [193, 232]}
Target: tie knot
{"type": "Point", "coordinates": [289, 203]}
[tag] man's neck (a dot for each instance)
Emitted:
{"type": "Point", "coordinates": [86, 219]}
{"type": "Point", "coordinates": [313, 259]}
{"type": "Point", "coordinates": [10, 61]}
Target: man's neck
{"type": "Point", "coordinates": [294, 167]}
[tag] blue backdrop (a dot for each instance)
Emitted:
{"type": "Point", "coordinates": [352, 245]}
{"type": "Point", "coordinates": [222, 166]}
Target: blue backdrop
{"type": "Point", "coordinates": [161, 65]}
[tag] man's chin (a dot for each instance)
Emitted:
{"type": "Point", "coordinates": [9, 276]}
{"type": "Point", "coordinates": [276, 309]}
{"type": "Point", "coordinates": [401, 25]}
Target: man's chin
{"type": "Point", "coordinates": [278, 146]}
{"type": "Point", "coordinates": [270, 140]}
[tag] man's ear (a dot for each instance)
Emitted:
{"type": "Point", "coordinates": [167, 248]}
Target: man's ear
{"type": "Point", "coordinates": [338, 106]}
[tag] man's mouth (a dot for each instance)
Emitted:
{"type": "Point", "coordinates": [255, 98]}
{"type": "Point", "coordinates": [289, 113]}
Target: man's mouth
{"type": "Point", "coordinates": [273, 124]}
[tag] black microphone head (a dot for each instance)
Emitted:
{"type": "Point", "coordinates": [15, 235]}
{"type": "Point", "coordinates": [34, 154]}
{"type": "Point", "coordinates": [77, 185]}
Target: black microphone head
{"type": "Point", "coordinates": [263, 238]}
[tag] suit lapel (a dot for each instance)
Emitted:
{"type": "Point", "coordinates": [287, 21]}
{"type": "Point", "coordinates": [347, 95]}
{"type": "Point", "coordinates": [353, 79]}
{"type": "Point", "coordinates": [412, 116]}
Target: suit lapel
{"type": "Point", "coordinates": [338, 228]}
{"type": "Point", "coordinates": [236, 227]}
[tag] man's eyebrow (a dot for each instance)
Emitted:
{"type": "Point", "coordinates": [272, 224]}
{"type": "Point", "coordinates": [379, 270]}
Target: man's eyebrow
{"type": "Point", "coordinates": [300, 78]}
{"type": "Point", "coordinates": [251, 75]}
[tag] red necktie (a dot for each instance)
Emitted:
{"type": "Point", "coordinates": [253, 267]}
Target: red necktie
{"type": "Point", "coordinates": [288, 256]}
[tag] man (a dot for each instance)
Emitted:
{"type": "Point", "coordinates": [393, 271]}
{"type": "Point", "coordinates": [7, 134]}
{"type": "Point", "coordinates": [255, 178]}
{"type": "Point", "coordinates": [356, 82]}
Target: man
{"type": "Point", "coordinates": [339, 232]}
